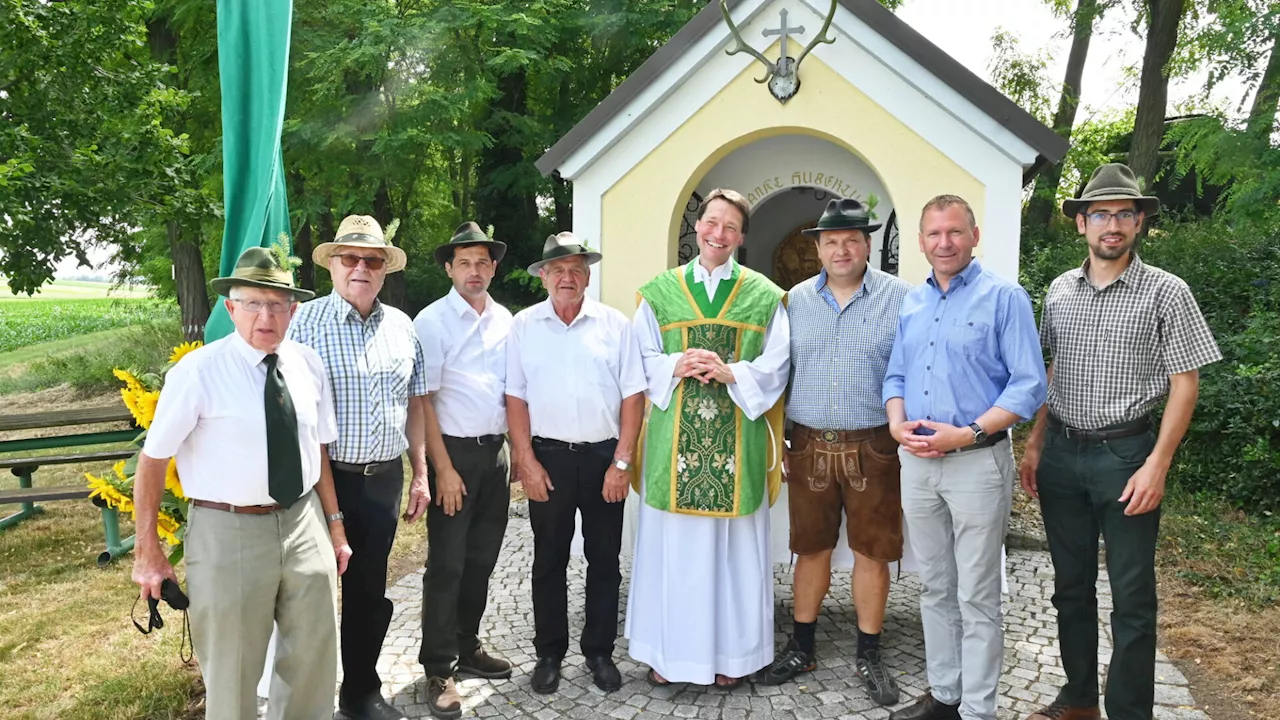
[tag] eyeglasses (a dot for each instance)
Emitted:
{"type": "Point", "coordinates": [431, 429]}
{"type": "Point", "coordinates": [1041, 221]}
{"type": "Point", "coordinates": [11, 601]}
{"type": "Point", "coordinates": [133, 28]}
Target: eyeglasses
{"type": "Point", "coordinates": [372, 262]}
{"type": "Point", "coordinates": [275, 307]}
{"type": "Point", "coordinates": [1102, 219]}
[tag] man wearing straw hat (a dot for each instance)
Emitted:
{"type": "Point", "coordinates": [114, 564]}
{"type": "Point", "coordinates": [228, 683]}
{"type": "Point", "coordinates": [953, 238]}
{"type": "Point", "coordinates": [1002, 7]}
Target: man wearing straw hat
{"type": "Point", "coordinates": [464, 343]}
{"type": "Point", "coordinates": [574, 406]}
{"type": "Point", "coordinates": [247, 418]}
{"type": "Point", "coordinates": [375, 365]}
{"type": "Point", "coordinates": [1121, 335]}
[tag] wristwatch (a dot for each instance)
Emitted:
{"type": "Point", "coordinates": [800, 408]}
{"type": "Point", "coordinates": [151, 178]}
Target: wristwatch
{"type": "Point", "coordinates": [334, 517]}
{"type": "Point", "coordinates": [622, 465]}
{"type": "Point", "coordinates": [978, 433]}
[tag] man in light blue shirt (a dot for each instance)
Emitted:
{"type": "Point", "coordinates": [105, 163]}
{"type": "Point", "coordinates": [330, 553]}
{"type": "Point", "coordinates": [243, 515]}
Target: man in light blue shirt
{"type": "Point", "coordinates": [966, 366]}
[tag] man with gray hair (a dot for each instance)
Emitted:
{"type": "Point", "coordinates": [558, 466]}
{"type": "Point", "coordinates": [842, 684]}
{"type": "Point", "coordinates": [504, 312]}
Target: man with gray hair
{"type": "Point", "coordinates": [574, 406]}
{"type": "Point", "coordinates": [247, 419]}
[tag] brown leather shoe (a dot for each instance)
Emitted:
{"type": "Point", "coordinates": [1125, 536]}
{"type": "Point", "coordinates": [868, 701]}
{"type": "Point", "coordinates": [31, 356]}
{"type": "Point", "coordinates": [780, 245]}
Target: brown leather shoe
{"type": "Point", "coordinates": [1061, 711]}
{"type": "Point", "coordinates": [927, 708]}
{"type": "Point", "coordinates": [443, 698]}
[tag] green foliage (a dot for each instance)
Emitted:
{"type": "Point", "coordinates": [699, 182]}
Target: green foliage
{"type": "Point", "coordinates": [1215, 546]}
{"type": "Point", "coordinates": [29, 322]}
{"type": "Point", "coordinates": [1232, 449]}
{"type": "Point", "coordinates": [1023, 78]}
{"type": "Point", "coordinates": [144, 348]}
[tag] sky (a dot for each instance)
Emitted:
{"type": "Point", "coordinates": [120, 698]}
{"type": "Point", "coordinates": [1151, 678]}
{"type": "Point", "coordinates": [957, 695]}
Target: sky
{"type": "Point", "coordinates": [963, 28]}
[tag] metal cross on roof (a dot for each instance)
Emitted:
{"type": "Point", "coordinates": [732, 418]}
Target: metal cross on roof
{"type": "Point", "coordinates": [784, 31]}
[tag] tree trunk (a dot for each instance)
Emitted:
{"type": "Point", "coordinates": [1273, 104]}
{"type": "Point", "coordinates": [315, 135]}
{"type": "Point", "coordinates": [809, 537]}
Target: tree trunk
{"type": "Point", "coordinates": [1043, 206]}
{"type": "Point", "coordinates": [1164, 17]}
{"type": "Point", "coordinates": [1262, 116]}
{"type": "Point", "coordinates": [393, 287]}
{"type": "Point", "coordinates": [189, 280]}
{"type": "Point", "coordinates": [302, 250]}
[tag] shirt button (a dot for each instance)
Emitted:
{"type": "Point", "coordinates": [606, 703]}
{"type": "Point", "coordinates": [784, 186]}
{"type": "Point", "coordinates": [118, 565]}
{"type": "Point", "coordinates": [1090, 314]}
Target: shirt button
{"type": "Point", "coordinates": [928, 367]}
{"type": "Point", "coordinates": [936, 319]}
{"type": "Point", "coordinates": [926, 392]}
{"type": "Point", "coordinates": [930, 343]}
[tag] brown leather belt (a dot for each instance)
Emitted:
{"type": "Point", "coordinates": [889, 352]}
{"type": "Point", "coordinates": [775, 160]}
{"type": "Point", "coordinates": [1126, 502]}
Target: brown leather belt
{"type": "Point", "coordinates": [839, 436]}
{"type": "Point", "coordinates": [237, 509]}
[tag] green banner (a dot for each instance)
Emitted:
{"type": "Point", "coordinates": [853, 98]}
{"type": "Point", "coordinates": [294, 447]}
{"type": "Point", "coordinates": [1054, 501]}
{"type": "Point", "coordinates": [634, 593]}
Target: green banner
{"type": "Point", "coordinates": [253, 63]}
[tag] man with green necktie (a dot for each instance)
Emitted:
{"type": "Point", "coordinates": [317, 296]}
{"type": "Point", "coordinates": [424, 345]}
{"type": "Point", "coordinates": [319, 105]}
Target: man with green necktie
{"type": "Point", "coordinates": [247, 418]}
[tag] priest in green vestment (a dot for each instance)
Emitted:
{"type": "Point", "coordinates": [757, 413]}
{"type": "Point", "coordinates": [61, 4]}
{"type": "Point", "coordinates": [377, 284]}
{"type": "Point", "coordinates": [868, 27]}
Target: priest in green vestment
{"type": "Point", "coordinates": [716, 348]}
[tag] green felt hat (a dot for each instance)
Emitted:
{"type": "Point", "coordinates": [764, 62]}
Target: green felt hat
{"type": "Point", "coordinates": [467, 235]}
{"type": "Point", "coordinates": [1113, 181]}
{"type": "Point", "coordinates": [844, 214]}
{"type": "Point", "coordinates": [260, 267]}
{"type": "Point", "coordinates": [564, 245]}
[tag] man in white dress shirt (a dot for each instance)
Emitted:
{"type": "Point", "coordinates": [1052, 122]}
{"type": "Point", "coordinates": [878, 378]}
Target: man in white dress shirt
{"type": "Point", "coordinates": [248, 418]}
{"type": "Point", "coordinates": [464, 347]}
{"type": "Point", "coordinates": [574, 406]}
{"type": "Point", "coordinates": [716, 348]}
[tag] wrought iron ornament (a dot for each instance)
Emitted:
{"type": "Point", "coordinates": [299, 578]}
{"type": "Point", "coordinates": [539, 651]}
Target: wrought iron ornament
{"type": "Point", "coordinates": [783, 76]}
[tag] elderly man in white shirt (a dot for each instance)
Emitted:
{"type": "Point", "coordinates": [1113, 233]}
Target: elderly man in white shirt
{"type": "Point", "coordinates": [247, 418]}
{"type": "Point", "coordinates": [464, 348]}
{"type": "Point", "coordinates": [575, 401]}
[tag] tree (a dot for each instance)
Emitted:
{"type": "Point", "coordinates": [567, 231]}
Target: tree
{"type": "Point", "coordinates": [85, 151]}
{"type": "Point", "coordinates": [1045, 193]}
{"type": "Point", "coordinates": [1164, 18]}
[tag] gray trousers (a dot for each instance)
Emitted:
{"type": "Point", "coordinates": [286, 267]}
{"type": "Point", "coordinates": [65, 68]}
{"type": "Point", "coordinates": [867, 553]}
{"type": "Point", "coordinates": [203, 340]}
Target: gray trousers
{"type": "Point", "coordinates": [956, 510]}
{"type": "Point", "coordinates": [245, 572]}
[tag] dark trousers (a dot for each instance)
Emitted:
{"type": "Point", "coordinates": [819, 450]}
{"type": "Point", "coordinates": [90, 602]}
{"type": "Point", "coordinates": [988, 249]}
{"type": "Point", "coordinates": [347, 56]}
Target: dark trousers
{"type": "Point", "coordinates": [1080, 482]}
{"type": "Point", "coordinates": [578, 477]}
{"type": "Point", "coordinates": [461, 553]}
{"type": "Point", "coordinates": [371, 506]}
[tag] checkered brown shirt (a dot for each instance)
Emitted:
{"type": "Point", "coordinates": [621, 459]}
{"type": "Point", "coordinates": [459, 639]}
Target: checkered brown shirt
{"type": "Point", "coordinates": [1114, 348]}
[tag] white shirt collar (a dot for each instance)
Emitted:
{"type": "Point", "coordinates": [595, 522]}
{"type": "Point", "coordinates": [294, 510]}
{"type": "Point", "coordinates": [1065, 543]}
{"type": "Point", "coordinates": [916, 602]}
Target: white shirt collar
{"type": "Point", "coordinates": [722, 272]}
{"type": "Point", "coordinates": [547, 311]}
{"type": "Point", "coordinates": [460, 305]}
{"type": "Point", "coordinates": [251, 354]}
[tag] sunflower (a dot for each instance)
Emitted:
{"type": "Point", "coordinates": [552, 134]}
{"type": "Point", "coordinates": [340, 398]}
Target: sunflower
{"type": "Point", "coordinates": [166, 527]}
{"type": "Point", "coordinates": [171, 481]}
{"type": "Point", "coordinates": [146, 401]}
{"type": "Point", "coordinates": [132, 383]}
{"type": "Point", "coordinates": [105, 489]}
{"type": "Point", "coordinates": [182, 350]}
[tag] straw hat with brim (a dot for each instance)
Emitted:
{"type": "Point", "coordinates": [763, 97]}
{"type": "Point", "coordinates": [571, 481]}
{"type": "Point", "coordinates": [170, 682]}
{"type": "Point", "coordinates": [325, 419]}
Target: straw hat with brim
{"type": "Point", "coordinates": [843, 214]}
{"type": "Point", "coordinates": [467, 235]}
{"type": "Point", "coordinates": [258, 267]}
{"type": "Point", "coordinates": [564, 245]}
{"type": "Point", "coordinates": [360, 231]}
{"type": "Point", "coordinates": [1113, 181]}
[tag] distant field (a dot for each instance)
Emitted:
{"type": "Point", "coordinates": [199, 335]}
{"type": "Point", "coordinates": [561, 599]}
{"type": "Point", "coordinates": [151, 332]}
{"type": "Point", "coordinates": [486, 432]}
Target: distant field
{"type": "Point", "coordinates": [76, 289]}
{"type": "Point", "coordinates": [26, 323]}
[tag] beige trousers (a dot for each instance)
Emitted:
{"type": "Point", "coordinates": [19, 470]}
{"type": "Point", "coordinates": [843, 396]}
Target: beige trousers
{"type": "Point", "coordinates": [243, 573]}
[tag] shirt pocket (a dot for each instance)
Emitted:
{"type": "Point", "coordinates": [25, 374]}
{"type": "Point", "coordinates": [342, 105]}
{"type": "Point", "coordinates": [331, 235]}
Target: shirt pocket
{"type": "Point", "coordinates": [968, 338]}
{"type": "Point", "coordinates": [392, 368]}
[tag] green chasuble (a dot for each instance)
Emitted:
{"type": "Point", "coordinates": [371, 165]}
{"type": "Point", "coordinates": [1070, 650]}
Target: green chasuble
{"type": "Point", "coordinates": [253, 67]}
{"type": "Point", "coordinates": [702, 456]}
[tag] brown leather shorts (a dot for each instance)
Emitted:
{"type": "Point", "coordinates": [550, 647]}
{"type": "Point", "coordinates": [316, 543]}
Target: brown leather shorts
{"type": "Point", "coordinates": [856, 470]}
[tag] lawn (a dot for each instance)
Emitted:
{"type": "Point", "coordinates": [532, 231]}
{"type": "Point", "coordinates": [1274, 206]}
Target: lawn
{"type": "Point", "coordinates": [24, 323]}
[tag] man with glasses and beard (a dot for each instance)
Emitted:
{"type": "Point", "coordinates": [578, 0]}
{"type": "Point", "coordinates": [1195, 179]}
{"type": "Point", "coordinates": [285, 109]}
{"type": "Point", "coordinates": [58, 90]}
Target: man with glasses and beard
{"type": "Point", "coordinates": [1121, 336]}
{"type": "Point", "coordinates": [375, 365]}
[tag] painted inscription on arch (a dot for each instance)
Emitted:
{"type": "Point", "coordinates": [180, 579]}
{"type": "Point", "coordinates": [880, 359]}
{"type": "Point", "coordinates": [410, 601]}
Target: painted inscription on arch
{"type": "Point", "coordinates": [828, 181]}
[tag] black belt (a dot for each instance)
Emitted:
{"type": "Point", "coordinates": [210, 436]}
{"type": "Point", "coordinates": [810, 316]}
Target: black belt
{"type": "Point", "coordinates": [480, 440]}
{"type": "Point", "coordinates": [604, 445]}
{"type": "Point", "coordinates": [1110, 432]}
{"type": "Point", "coordinates": [365, 469]}
{"type": "Point", "coordinates": [991, 440]}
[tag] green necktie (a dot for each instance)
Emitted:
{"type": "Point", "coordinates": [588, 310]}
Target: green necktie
{"type": "Point", "coordinates": [284, 458]}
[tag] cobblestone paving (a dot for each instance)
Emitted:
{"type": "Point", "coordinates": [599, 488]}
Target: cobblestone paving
{"type": "Point", "coordinates": [1031, 677]}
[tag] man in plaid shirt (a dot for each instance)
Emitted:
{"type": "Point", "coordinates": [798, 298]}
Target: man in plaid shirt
{"type": "Point", "coordinates": [1121, 336]}
{"type": "Point", "coordinates": [375, 366]}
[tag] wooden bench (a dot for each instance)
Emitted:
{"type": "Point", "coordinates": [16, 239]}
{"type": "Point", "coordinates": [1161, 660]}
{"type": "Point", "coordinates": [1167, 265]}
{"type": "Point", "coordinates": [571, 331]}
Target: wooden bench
{"type": "Point", "coordinates": [25, 466]}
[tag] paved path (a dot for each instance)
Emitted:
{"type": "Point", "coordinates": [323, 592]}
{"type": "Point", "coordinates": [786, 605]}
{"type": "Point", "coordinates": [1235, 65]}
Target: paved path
{"type": "Point", "coordinates": [1032, 669]}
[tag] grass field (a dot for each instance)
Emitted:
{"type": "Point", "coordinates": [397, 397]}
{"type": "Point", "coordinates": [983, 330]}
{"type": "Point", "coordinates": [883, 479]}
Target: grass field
{"type": "Point", "coordinates": [25, 323]}
{"type": "Point", "coordinates": [76, 289]}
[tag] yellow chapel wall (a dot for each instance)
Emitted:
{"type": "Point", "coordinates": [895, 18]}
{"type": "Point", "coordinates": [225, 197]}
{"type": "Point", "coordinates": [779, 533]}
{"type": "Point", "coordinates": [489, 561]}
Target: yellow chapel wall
{"type": "Point", "coordinates": [641, 213]}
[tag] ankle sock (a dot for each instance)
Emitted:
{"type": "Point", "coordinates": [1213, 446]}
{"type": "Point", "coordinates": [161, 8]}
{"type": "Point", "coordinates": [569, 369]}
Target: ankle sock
{"type": "Point", "coordinates": [867, 641]}
{"type": "Point", "coordinates": [803, 635]}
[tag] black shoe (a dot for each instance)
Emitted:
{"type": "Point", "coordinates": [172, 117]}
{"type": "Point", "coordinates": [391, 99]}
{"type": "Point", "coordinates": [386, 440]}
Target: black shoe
{"type": "Point", "coordinates": [369, 707]}
{"type": "Point", "coordinates": [604, 673]}
{"type": "Point", "coordinates": [482, 664]}
{"type": "Point", "coordinates": [443, 699]}
{"type": "Point", "coordinates": [881, 686]}
{"type": "Point", "coordinates": [791, 663]}
{"type": "Point", "coordinates": [546, 675]}
{"type": "Point", "coordinates": [927, 708]}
